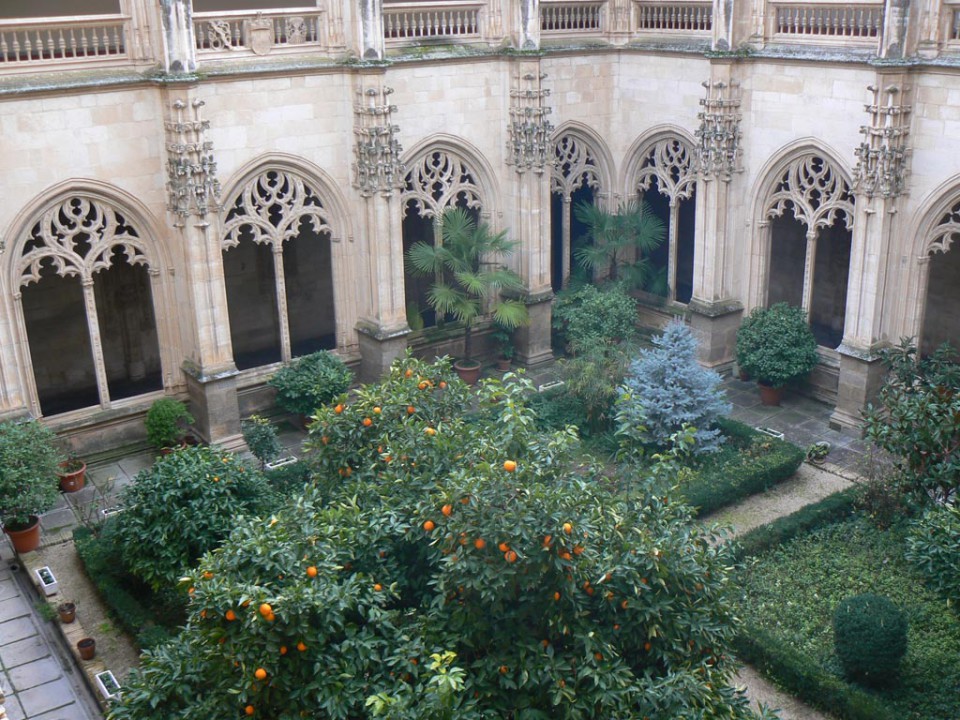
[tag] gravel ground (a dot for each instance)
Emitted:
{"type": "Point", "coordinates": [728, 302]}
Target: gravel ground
{"type": "Point", "coordinates": [113, 646]}
{"type": "Point", "coordinates": [761, 690]}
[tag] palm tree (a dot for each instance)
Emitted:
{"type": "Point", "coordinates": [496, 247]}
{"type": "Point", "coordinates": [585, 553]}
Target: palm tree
{"type": "Point", "coordinates": [615, 237]}
{"type": "Point", "coordinates": [465, 276]}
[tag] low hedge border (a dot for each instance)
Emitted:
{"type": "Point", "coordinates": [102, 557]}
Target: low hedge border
{"type": "Point", "coordinates": [794, 671]}
{"type": "Point", "coordinates": [134, 617]}
{"type": "Point", "coordinates": [805, 679]}
{"type": "Point", "coordinates": [728, 479]}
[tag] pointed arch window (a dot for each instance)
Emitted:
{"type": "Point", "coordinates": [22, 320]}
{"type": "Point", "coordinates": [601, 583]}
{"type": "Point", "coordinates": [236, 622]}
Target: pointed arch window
{"type": "Point", "coordinates": [667, 183]}
{"type": "Point", "coordinates": [810, 214]}
{"type": "Point", "coordinates": [278, 265]}
{"type": "Point", "coordinates": [941, 313]}
{"type": "Point", "coordinates": [439, 180]}
{"type": "Point", "coordinates": [574, 178]}
{"type": "Point", "coordinates": [85, 289]}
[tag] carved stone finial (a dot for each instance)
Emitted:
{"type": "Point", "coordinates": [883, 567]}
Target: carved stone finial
{"type": "Point", "coordinates": [192, 185]}
{"type": "Point", "coordinates": [528, 134]}
{"type": "Point", "coordinates": [718, 151]}
{"type": "Point", "coordinates": [882, 156]}
{"type": "Point", "coordinates": [377, 167]}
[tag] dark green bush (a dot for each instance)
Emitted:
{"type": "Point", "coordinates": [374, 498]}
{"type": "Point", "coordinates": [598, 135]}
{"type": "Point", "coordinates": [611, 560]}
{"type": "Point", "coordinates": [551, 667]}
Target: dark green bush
{"type": "Point", "coordinates": [166, 422]}
{"type": "Point", "coordinates": [870, 637]}
{"type": "Point", "coordinates": [289, 479]}
{"type": "Point", "coordinates": [589, 316]}
{"type": "Point", "coordinates": [933, 547]}
{"type": "Point", "coordinates": [803, 677]}
{"type": "Point", "coordinates": [310, 382]}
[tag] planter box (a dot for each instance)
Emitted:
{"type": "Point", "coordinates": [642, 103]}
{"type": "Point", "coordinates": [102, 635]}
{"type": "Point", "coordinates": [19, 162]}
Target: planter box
{"type": "Point", "coordinates": [107, 685]}
{"type": "Point", "coordinates": [281, 462]}
{"type": "Point", "coordinates": [547, 387]}
{"type": "Point", "coordinates": [771, 432]}
{"type": "Point", "coordinates": [111, 511]}
{"type": "Point", "coordinates": [46, 580]}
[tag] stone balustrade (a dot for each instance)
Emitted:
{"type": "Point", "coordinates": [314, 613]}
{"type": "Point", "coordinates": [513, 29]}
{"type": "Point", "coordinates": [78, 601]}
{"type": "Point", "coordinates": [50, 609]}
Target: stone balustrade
{"type": "Point", "coordinates": [571, 17]}
{"type": "Point", "coordinates": [827, 22]}
{"type": "Point", "coordinates": [31, 45]}
{"type": "Point", "coordinates": [222, 35]}
{"type": "Point", "coordinates": [415, 21]}
{"type": "Point", "coordinates": [685, 18]}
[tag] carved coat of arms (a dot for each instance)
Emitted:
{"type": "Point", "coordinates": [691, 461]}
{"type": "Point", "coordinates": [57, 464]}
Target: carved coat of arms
{"type": "Point", "coordinates": [260, 35]}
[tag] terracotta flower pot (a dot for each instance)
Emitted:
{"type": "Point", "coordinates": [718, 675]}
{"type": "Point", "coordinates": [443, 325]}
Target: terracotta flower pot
{"type": "Point", "coordinates": [468, 370]}
{"type": "Point", "coordinates": [74, 480]}
{"type": "Point", "coordinates": [503, 364]}
{"type": "Point", "coordinates": [770, 396]}
{"type": "Point", "coordinates": [87, 647]}
{"type": "Point", "coordinates": [67, 612]}
{"type": "Point", "coordinates": [24, 538]}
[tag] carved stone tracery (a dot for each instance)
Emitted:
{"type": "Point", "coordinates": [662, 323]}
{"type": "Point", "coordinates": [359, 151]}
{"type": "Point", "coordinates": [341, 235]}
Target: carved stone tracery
{"type": "Point", "coordinates": [79, 236]}
{"type": "Point", "coordinates": [438, 181]}
{"type": "Point", "coordinates": [192, 185]}
{"type": "Point", "coordinates": [816, 192]}
{"type": "Point", "coordinates": [269, 209]}
{"type": "Point", "coordinates": [575, 165]}
{"type": "Point", "coordinates": [671, 162]}
{"type": "Point", "coordinates": [528, 134]}
{"type": "Point", "coordinates": [882, 156]}
{"type": "Point", "coordinates": [945, 232]}
{"type": "Point", "coordinates": [718, 152]}
{"type": "Point", "coordinates": [377, 167]}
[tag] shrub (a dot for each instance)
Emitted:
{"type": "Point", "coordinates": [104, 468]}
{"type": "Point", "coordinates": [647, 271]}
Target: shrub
{"type": "Point", "coordinates": [917, 419]}
{"type": "Point", "coordinates": [666, 389]}
{"type": "Point", "coordinates": [933, 547]}
{"type": "Point", "coordinates": [870, 637]}
{"type": "Point", "coordinates": [166, 422]}
{"type": "Point", "coordinates": [592, 379]}
{"type": "Point", "coordinates": [775, 345]}
{"type": "Point", "coordinates": [587, 317]}
{"type": "Point", "coordinates": [310, 381]}
{"type": "Point", "coordinates": [261, 437]}
{"type": "Point", "coordinates": [182, 507]}
{"type": "Point", "coordinates": [29, 461]}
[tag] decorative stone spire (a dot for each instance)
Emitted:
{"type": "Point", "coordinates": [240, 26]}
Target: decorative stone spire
{"type": "Point", "coordinates": [718, 152]}
{"type": "Point", "coordinates": [882, 156]}
{"type": "Point", "coordinates": [528, 135]}
{"type": "Point", "coordinates": [377, 167]}
{"type": "Point", "coordinates": [192, 185]}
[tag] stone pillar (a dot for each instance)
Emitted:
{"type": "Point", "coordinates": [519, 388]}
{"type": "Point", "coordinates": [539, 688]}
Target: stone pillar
{"type": "Point", "coordinates": [528, 25]}
{"type": "Point", "coordinates": [924, 28]}
{"type": "Point", "coordinates": [371, 30]}
{"type": "Point", "coordinates": [179, 44]}
{"type": "Point", "coordinates": [528, 152]}
{"type": "Point", "coordinates": [378, 176]}
{"type": "Point", "coordinates": [878, 183]}
{"type": "Point", "coordinates": [715, 314]}
{"type": "Point", "coordinates": [193, 196]}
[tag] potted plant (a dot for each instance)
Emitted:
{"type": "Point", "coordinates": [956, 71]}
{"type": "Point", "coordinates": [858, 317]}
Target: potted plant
{"type": "Point", "coordinates": [261, 438]}
{"type": "Point", "coordinates": [29, 460]}
{"type": "Point", "coordinates": [310, 381]}
{"type": "Point", "coordinates": [72, 474]}
{"type": "Point", "coordinates": [465, 278]}
{"type": "Point", "coordinates": [818, 451]}
{"type": "Point", "coordinates": [47, 580]}
{"type": "Point", "coordinates": [167, 422]}
{"type": "Point", "coordinates": [67, 612]}
{"type": "Point", "coordinates": [775, 345]}
{"type": "Point", "coordinates": [503, 338]}
{"type": "Point", "coordinates": [87, 647]}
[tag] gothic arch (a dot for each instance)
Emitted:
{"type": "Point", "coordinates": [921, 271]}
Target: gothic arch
{"type": "Point", "coordinates": [268, 202]}
{"type": "Point", "coordinates": [662, 167]}
{"type": "Point", "coordinates": [76, 230]}
{"type": "Point", "coordinates": [808, 180]}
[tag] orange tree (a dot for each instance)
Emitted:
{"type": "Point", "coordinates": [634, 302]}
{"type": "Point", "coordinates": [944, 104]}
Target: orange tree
{"type": "Point", "coordinates": [465, 567]}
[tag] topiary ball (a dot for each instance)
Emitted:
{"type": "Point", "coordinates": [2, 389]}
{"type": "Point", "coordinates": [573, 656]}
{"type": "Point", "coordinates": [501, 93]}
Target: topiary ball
{"type": "Point", "coordinates": [870, 637]}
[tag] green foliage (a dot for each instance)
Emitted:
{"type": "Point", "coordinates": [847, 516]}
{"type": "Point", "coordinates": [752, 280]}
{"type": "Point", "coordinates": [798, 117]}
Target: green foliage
{"type": "Point", "coordinates": [917, 419]}
{"type": "Point", "coordinates": [775, 345]}
{"type": "Point", "coordinates": [310, 382]}
{"type": "Point", "coordinates": [616, 238]}
{"type": "Point", "coordinates": [458, 570]}
{"type": "Point", "coordinates": [933, 547]}
{"type": "Point", "coordinates": [261, 437]}
{"type": "Point", "coordinates": [589, 316]}
{"type": "Point", "coordinates": [803, 677]}
{"type": "Point", "coordinates": [751, 463]}
{"type": "Point", "coordinates": [289, 480]}
{"type": "Point", "coordinates": [182, 507]}
{"type": "Point", "coordinates": [167, 421]}
{"type": "Point", "coordinates": [870, 637]}
{"type": "Point", "coordinates": [29, 461]}
{"type": "Point", "coordinates": [667, 389]}
{"type": "Point", "coordinates": [148, 616]}
{"type": "Point", "coordinates": [465, 278]}
{"type": "Point", "coordinates": [593, 378]}
{"type": "Point", "coordinates": [503, 339]}
{"type": "Point", "coordinates": [791, 592]}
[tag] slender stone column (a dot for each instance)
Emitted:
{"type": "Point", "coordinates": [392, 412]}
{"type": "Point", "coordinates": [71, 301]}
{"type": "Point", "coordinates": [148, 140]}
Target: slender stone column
{"type": "Point", "coordinates": [371, 30]}
{"type": "Point", "coordinates": [179, 44]}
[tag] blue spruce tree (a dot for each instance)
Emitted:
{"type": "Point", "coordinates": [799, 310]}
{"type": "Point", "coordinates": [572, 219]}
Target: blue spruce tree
{"type": "Point", "coordinates": [666, 389]}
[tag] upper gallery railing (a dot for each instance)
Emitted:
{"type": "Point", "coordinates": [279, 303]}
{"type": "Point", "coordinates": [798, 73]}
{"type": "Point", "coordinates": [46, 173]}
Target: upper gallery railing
{"type": "Point", "coordinates": [827, 23]}
{"type": "Point", "coordinates": [234, 34]}
{"type": "Point", "coordinates": [413, 22]}
{"type": "Point", "coordinates": [674, 18]}
{"type": "Point", "coordinates": [577, 18]}
{"type": "Point", "coordinates": [38, 44]}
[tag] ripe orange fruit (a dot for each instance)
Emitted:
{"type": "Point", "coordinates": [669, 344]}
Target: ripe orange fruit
{"type": "Point", "coordinates": [447, 510]}
{"type": "Point", "coordinates": [578, 550]}
{"type": "Point", "coordinates": [429, 525]}
{"type": "Point", "coordinates": [443, 385]}
{"type": "Point", "coordinates": [465, 500]}
{"type": "Point", "coordinates": [270, 618]}
{"type": "Point", "coordinates": [597, 656]}
{"type": "Point", "coordinates": [510, 556]}
{"type": "Point", "coordinates": [547, 541]}
{"type": "Point", "coordinates": [408, 373]}
{"type": "Point", "coordinates": [260, 674]}
{"type": "Point", "coordinates": [301, 646]}
{"type": "Point", "coordinates": [566, 556]}
{"type": "Point", "coordinates": [377, 411]}
{"type": "Point", "coordinates": [430, 431]}
{"type": "Point", "coordinates": [191, 591]}
{"type": "Point", "coordinates": [647, 646]}
{"type": "Point", "coordinates": [479, 543]}
{"type": "Point", "coordinates": [509, 465]}
{"type": "Point", "coordinates": [623, 605]}
{"type": "Point", "coordinates": [545, 642]}
{"type": "Point", "coordinates": [249, 710]}
{"type": "Point", "coordinates": [556, 596]}
{"type": "Point", "coordinates": [411, 409]}
{"type": "Point", "coordinates": [503, 547]}
{"type": "Point", "coordinates": [338, 409]}
{"type": "Point", "coordinates": [367, 422]}
{"type": "Point", "coordinates": [423, 385]}
{"type": "Point", "coordinates": [311, 571]}
{"type": "Point", "coordinates": [377, 587]}
{"type": "Point", "coordinates": [567, 528]}
{"type": "Point", "coordinates": [230, 615]}
{"type": "Point", "coordinates": [504, 669]}
{"type": "Point", "coordinates": [207, 575]}
{"type": "Point", "coordinates": [283, 649]}
{"type": "Point", "coordinates": [265, 609]}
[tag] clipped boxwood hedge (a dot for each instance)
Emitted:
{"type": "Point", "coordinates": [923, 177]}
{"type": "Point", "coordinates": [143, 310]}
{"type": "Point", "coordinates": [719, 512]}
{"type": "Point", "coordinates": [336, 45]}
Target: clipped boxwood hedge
{"type": "Point", "coordinates": [748, 463]}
